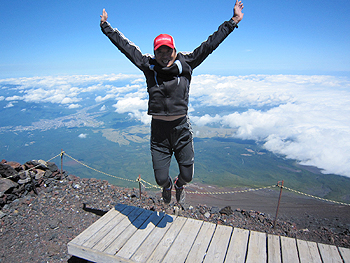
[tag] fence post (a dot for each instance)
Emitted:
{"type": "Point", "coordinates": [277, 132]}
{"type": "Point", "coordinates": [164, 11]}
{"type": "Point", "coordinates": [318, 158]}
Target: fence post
{"type": "Point", "coordinates": [140, 184]}
{"type": "Point", "coordinates": [62, 160]}
{"type": "Point", "coordinates": [279, 201]}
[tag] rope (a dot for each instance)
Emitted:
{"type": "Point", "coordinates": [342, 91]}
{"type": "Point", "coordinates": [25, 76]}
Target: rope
{"type": "Point", "coordinates": [150, 185]}
{"type": "Point", "coordinates": [231, 192]}
{"type": "Point", "coordinates": [125, 179]}
{"type": "Point", "coordinates": [316, 197]}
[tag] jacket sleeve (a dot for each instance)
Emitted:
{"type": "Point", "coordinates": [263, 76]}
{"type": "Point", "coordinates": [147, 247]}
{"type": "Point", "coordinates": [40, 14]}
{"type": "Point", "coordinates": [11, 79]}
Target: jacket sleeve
{"type": "Point", "coordinates": [129, 49]}
{"type": "Point", "coordinates": [197, 56]}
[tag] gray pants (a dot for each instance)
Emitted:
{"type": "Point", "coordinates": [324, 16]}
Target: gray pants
{"type": "Point", "coordinates": [168, 137]}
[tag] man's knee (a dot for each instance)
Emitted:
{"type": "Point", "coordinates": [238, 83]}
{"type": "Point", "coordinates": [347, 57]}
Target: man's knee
{"type": "Point", "coordinates": [162, 177]}
{"type": "Point", "coordinates": [186, 173]}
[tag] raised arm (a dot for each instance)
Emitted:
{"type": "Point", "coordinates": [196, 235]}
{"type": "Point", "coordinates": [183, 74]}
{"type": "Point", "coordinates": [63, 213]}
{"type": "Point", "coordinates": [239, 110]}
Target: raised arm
{"type": "Point", "coordinates": [129, 49]}
{"type": "Point", "coordinates": [198, 55]}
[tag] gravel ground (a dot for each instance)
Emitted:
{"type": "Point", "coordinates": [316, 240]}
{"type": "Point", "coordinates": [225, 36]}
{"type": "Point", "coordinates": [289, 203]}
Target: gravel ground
{"type": "Point", "coordinates": [37, 227]}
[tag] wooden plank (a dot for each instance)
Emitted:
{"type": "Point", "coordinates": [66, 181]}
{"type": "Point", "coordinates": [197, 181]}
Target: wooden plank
{"type": "Point", "coordinates": [94, 255]}
{"type": "Point", "coordinates": [237, 249]}
{"type": "Point", "coordinates": [201, 243]}
{"type": "Point", "coordinates": [257, 248]}
{"type": "Point", "coordinates": [95, 227]}
{"type": "Point", "coordinates": [273, 249]}
{"type": "Point", "coordinates": [119, 242]}
{"type": "Point", "coordinates": [167, 240]}
{"type": "Point", "coordinates": [289, 249]}
{"type": "Point", "coordinates": [117, 230]}
{"type": "Point", "coordinates": [308, 252]}
{"type": "Point", "coordinates": [345, 254]}
{"type": "Point", "coordinates": [183, 242]}
{"type": "Point", "coordinates": [140, 235]}
{"type": "Point", "coordinates": [218, 245]}
{"type": "Point", "coordinates": [329, 253]}
{"type": "Point", "coordinates": [153, 239]}
{"type": "Point", "coordinates": [107, 228]}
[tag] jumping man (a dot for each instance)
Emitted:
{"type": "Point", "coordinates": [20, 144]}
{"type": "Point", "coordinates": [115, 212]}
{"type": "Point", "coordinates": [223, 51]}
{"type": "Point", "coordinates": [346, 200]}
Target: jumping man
{"type": "Point", "coordinates": [168, 75]}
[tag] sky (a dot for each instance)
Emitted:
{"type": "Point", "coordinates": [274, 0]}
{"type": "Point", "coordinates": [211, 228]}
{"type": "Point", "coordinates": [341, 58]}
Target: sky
{"type": "Point", "coordinates": [40, 38]}
{"type": "Point", "coordinates": [287, 65]}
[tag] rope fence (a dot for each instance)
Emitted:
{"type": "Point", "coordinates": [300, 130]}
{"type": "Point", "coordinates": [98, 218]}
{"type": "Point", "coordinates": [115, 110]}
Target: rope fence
{"type": "Point", "coordinates": [146, 184]}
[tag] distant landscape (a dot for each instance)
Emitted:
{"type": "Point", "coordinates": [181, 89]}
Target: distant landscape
{"type": "Point", "coordinates": [115, 144]}
{"type": "Point", "coordinates": [256, 138]}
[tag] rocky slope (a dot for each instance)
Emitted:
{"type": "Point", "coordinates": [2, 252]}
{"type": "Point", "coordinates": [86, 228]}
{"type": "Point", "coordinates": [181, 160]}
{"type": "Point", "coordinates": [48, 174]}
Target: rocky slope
{"type": "Point", "coordinates": [43, 209]}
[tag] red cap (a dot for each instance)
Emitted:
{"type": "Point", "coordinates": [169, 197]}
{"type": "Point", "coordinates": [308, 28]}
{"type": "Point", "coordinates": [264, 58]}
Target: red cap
{"type": "Point", "coordinates": [163, 40]}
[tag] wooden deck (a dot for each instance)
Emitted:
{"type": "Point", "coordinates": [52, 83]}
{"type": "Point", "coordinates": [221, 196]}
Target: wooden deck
{"type": "Point", "coordinates": [131, 234]}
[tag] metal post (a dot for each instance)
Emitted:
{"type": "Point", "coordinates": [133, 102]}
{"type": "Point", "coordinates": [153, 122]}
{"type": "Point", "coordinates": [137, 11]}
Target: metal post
{"type": "Point", "coordinates": [279, 201]}
{"type": "Point", "coordinates": [62, 160]}
{"type": "Point", "coordinates": [140, 184]}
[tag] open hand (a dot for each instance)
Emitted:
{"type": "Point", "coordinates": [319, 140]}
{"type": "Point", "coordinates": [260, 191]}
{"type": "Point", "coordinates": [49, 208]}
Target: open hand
{"type": "Point", "coordinates": [237, 11]}
{"type": "Point", "coordinates": [104, 16]}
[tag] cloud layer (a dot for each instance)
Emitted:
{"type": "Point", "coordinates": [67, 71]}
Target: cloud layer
{"type": "Point", "coordinates": [307, 117]}
{"type": "Point", "coordinates": [302, 117]}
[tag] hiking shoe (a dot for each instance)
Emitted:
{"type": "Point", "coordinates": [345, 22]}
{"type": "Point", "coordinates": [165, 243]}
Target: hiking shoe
{"type": "Point", "coordinates": [166, 194]}
{"type": "Point", "coordinates": [180, 193]}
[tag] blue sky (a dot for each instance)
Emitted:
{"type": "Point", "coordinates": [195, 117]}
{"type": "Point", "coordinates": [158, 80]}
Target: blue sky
{"type": "Point", "coordinates": [42, 38]}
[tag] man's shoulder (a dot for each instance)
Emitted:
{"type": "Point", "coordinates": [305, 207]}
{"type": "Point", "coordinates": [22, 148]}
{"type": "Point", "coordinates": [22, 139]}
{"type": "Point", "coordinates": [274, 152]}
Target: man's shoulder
{"type": "Point", "coordinates": [150, 56]}
{"type": "Point", "coordinates": [186, 56]}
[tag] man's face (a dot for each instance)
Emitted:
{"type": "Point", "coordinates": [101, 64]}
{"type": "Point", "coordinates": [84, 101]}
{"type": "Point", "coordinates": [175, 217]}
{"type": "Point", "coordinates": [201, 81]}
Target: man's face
{"type": "Point", "coordinates": [165, 56]}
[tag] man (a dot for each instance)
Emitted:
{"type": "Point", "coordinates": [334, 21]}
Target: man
{"type": "Point", "coordinates": [168, 76]}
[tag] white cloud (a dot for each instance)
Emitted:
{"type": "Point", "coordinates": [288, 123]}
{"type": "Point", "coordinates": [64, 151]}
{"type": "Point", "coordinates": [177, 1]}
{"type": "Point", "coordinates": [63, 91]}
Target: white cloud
{"type": "Point", "coordinates": [135, 106]}
{"type": "Point", "coordinates": [107, 97]}
{"type": "Point", "coordinates": [260, 90]}
{"type": "Point", "coordinates": [69, 89]}
{"type": "Point", "coordinates": [69, 100]}
{"type": "Point", "coordinates": [82, 136]}
{"type": "Point", "coordinates": [206, 119]}
{"type": "Point", "coordinates": [103, 108]}
{"type": "Point", "coordinates": [9, 105]}
{"type": "Point", "coordinates": [74, 106]}
{"type": "Point", "coordinates": [130, 104]}
{"type": "Point", "coordinates": [13, 98]}
{"type": "Point", "coordinates": [141, 116]}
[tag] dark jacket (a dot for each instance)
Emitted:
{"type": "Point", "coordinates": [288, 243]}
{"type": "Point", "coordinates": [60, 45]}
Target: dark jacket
{"type": "Point", "coordinates": [168, 87]}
